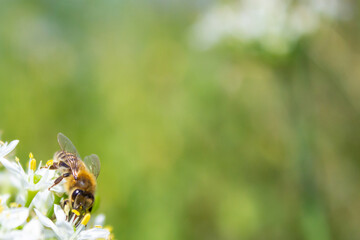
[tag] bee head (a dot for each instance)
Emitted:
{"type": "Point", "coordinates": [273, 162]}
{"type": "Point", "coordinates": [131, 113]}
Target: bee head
{"type": "Point", "coordinates": [82, 200]}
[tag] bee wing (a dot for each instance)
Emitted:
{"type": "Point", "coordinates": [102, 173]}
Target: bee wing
{"type": "Point", "coordinates": [66, 145]}
{"type": "Point", "coordinates": [92, 162]}
{"type": "Point", "coordinates": [70, 160]}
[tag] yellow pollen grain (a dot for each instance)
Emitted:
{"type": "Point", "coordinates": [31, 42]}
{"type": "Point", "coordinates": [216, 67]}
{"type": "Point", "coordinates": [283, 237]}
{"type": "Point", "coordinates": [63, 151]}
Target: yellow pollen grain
{"type": "Point", "coordinates": [17, 159]}
{"type": "Point", "coordinates": [33, 164]}
{"type": "Point", "coordinates": [31, 155]}
{"type": "Point", "coordinates": [86, 219]}
{"type": "Point", "coordinates": [98, 226]}
{"type": "Point", "coordinates": [13, 205]}
{"type": "Point", "coordinates": [50, 162]}
{"type": "Point", "coordinates": [110, 228]}
{"type": "Point", "coordinates": [67, 208]}
{"type": "Point", "coordinates": [76, 212]}
{"type": "Point", "coordinates": [1, 208]}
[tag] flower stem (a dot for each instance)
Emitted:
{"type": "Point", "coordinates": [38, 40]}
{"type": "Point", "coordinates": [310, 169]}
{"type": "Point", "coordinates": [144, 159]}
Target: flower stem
{"type": "Point", "coordinates": [51, 210]}
{"type": "Point", "coordinates": [30, 196]}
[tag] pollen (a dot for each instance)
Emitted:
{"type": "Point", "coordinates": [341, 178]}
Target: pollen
{"type": "Point", "coordinates": [86, 219]}
{"type": "Point", "coordinates": [110, 228]}
{"type": "Point", "coordinates": [17, 159]}
{"type": "Point", "coordinates": [98, 226]}
{"type": "Point", "coordinates": [1, 208]}
{"type": "Point", "coordinates": [33, 164]}
{"type": "Point", "coordinates": [50, 162]}
{"type": "Point", "coordinates": [111, 236]}
{"type": "Point", "coordinates": [76, 212]}
{"type": "Point", "coordinates": [14, 205]}
{"type": "Point", "coordinates": [31, 155]}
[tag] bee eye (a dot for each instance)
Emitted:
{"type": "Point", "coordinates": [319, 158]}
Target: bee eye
{"type": "Point", "coordinates": [76, 193]}
{"type": "Point", "coordinates": [90, 196]}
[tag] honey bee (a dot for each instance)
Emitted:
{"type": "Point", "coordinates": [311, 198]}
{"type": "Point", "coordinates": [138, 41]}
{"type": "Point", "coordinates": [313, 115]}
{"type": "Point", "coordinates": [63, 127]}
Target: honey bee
{"type": "Point", "coordinates": [80, 175]}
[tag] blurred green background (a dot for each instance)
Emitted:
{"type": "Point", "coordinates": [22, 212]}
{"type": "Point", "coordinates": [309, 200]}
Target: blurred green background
{"type": "Point", "coordinates": [232, 142]}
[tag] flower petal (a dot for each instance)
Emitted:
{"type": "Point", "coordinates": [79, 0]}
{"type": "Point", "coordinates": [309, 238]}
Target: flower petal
{"type": "Point", "coordinates": [3, 200]}
{"type": "Point", "coordinates": [33, 229]}
{"type": "Point", "coordinates": [43, 201]}
{"type": "Point", "coordinates": [44, 220]}
{"type": "Point", "coordinates": [65, 228]}
{"type": "Point", "coordinates": [99, 220]}
{"type": "Point", "coordinates": [58, 189]}
{"type": "Point", "coordinates": [12, 167]}
{"type": "Point", "coordinates": [59, 213]}
{"type": "Point", "coordinates": [48, 223]}
{"type": "Point", "coordinates": [42, 184]}
{"type": "Point", "coordinates": [20, 199]}
{"type": "Point", "coordinates": [7, 148]}
{"type": "Point", "coordinates": [12, 218]}
{"type": "Point", "coordinates": [94, 233]}
{"type": "Point", "coordinates": [16, 181]}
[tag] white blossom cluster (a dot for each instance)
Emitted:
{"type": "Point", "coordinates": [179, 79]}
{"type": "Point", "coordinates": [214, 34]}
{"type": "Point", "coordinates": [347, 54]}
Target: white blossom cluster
{"type": "Point", "coordinates": [28, 210]}
{"type": "Point", "coordinates": [274, 24]}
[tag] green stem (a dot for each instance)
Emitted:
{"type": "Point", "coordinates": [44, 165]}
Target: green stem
{"type": "Point", "coordinates": [51, 210]}
{"type": "Point", "coordinates": [30, 196]}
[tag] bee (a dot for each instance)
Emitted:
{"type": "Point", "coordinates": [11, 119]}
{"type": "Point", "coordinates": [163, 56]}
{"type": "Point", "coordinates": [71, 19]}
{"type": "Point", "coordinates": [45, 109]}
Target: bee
{"type": "Point", "coordinates": [80, 176]}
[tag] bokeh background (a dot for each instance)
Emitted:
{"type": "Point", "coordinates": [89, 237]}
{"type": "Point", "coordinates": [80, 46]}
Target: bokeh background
{"type": "Point", "coordinates": [212, 119]}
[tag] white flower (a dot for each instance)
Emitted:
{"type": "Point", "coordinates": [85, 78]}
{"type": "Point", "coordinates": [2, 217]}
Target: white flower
{"type": "Point", "coordinates": [274, 24]}
{"type": "Point", "coordinates": [64, 229]}
{"type": "Point", "coordinates": [6, 148]}
{"type": "Point", "coordinates": [94, 233]}
{"type": "Point", "coordinates": [33, 180]}
{"type": "Point", "coordinates": [13, 217]}
{"type": "Point", "coordinates": [31, 231]}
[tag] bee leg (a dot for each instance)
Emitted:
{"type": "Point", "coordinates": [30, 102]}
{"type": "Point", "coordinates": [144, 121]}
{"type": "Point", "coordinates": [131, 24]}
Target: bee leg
{"type": "Point", "coordinates": [52, 167]}
{"type": "Point", "coordinates": [58, 180]}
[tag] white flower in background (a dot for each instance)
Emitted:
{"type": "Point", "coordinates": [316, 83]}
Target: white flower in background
{"type": "Point", "coordinates": [11, 218]}
{"type": "Point", "coordinates": [3, 200]}
{"type": "Point", "coordinates": [35, 214]}
{"type": "Point", "coordinates": [31, 231]}
{"type": "Point", "coordinates": [274, 24]}
{"type": "Point", "coordinates": [6, 182]}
